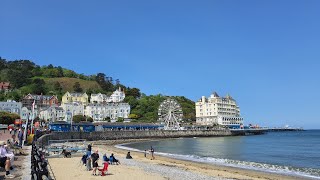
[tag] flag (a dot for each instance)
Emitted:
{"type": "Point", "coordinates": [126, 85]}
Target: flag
{"type": "Point", "coordinates": [33, 104]}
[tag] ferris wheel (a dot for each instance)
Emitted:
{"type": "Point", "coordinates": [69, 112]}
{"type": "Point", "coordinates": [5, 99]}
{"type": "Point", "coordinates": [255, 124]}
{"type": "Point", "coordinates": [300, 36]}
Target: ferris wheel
{"type": "Point", "coordinates": [170, 112]}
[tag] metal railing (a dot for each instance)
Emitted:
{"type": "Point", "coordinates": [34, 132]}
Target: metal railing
{"type": "Point", "coordinates": [39, 170]}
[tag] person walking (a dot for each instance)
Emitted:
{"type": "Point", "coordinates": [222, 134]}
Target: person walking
{"type": "Point", "coordinates": [89, 149]}
{"type": "Point", "coordinates": [152, 153]}
{"type": "Point", "coordinates": [20, 137]}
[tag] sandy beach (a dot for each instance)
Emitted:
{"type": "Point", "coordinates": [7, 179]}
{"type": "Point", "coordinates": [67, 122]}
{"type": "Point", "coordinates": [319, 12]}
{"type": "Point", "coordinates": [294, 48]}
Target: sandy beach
{"type": "Point", "coordinates": [143, 168]}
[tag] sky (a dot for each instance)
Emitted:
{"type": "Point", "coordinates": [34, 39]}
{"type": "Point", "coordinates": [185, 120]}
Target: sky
{"type": "Point", "coordinates": [265, 54]}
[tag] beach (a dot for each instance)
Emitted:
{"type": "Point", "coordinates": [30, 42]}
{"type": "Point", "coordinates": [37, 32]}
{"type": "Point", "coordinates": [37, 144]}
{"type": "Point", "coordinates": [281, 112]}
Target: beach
{"type": "Point", "coordinates": [143, 168]}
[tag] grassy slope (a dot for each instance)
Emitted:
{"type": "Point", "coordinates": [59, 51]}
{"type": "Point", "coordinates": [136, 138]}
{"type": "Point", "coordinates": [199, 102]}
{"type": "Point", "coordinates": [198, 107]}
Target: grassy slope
{"type": "Point", "coordinates": [67, 83]}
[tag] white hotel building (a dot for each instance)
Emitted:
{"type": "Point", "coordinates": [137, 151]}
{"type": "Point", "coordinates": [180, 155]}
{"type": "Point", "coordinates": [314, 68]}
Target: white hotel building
{"type": "Point", "coordinates": [99, 112]}
{"type": "Point", "coordinates": [218, 110]}
{"type": "Point", "coordinates": [103, 106]}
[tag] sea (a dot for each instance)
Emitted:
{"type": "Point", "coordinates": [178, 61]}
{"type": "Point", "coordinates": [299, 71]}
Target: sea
{"type": "Point", "coordinates": [295, 153]}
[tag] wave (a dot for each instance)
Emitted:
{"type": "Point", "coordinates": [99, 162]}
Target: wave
{"type": "Point", "coordinates": [278, 169]}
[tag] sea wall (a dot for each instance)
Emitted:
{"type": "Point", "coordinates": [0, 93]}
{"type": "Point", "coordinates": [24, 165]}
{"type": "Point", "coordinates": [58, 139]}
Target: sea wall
{"type": "Point", "coordinates": [114, 135]}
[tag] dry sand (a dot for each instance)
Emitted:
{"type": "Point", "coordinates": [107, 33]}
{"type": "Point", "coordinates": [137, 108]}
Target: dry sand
{"type": "Point", "coordinates": [141, 168]}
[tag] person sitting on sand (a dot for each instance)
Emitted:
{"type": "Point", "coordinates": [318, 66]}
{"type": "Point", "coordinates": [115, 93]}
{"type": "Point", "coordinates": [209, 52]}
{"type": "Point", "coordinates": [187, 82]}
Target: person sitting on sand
{"type": "Point", "coordinates": [105, 158]}
{"type": "Point", "coordinates": [128, 156]}
{"type": "Point", "coordinates": [114, 160]}
{"type": "Point", "coordinates": [84, 159]}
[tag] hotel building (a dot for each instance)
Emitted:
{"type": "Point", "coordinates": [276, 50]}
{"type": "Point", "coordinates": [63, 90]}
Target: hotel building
{"type": "Point", "coordinates": [218, 110]}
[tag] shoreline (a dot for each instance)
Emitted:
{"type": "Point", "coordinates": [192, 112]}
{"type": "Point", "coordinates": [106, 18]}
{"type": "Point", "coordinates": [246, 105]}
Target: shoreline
{"type": "Point", "coordinates": [220, 171]}
{"type": "Point", "coordinates": [144, 168]}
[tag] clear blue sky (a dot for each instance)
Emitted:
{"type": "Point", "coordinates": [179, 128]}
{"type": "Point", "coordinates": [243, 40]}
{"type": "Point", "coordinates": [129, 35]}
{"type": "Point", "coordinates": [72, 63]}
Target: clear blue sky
{"type": "Point", "coordinates": [266, 54]}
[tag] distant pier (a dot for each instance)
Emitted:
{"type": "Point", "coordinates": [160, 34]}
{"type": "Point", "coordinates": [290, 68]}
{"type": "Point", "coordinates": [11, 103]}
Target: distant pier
{"type": "Point", "coordinates": [285, 129]}
{"type": "Point", "coordinates": [243, 132]}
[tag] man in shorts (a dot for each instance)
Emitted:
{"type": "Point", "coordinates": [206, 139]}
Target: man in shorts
{"type": "Point", "coordinates": [95, 158]}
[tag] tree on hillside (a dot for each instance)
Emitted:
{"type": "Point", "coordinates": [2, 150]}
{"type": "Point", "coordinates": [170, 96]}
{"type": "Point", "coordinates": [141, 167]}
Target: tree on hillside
{"type": "Point", "coordinates": [19, 72]}
{"type": "Point", "coordinates": [50, 66]}
{"type": "Point", "coordinates": [38, 86]}
{"type": "Point", "coordinates": [134, 92]}
{"type": "Point", "coordinates": [77, 88]}
{"type": "Point", "coordinates": [69, 73]}
{"type": "Point", "coordinates": [2, 96]}
{"type": "Point", "coordinates": [51, 73]}
{"type": "Point", "coordinates": [133, 102]}
{"type": "Point", "coordinates": [3, 64]}
{"type": "Point", "coordinates": [117, 81]}
{"type": "Point", "coordinates": [37, 71]}
{"type": "Point", "coordinates": [60, 71]}
{"type": "Point", "coordinates": [104, 82]}
{"type": "Point", "coordinates": [4, 75]}
{"type": "Point", "coordinates": [57, 87]}
{"type": "Point", "coordinates": [14, 95]}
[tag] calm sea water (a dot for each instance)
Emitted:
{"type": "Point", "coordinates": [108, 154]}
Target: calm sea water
{"type": "Point", "coordinates": [292, 153]}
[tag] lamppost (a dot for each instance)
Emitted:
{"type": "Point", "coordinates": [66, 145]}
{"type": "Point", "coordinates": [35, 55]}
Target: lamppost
{"type": "Point", "coordinates": [72, 112]}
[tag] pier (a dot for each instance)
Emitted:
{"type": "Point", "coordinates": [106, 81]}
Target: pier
{"type": "Point", "coordinates": [284, 129]}
{"type": "Point", "coordinates": [243, 132]}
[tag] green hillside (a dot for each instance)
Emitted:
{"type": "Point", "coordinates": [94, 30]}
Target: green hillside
{"type": "Point", "coordinates": [27, 77]}
{"type": "Point", "coordinates": [67, 84]}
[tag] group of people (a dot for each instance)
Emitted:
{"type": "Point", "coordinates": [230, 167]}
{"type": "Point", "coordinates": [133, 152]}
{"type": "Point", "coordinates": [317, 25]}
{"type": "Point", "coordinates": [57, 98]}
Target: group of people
{"type": "Point", "coordinates": [151, 151]}
{"type": "Point", "coordinates": [90, 160]}
{"type": "Point", "coordinates": [17, 132]}
{"type": "Point", "coordinates": [6, 159]}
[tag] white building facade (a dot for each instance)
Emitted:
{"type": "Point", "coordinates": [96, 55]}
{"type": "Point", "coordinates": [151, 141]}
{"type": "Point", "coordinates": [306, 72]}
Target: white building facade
{"type": "Point", "coordinates": [11, 107]}
{"type": "Point", "coordinates": [218, 110]}
{"type": "Point", "coordinates": [52, 114]}
{"type": "Point", "coordinates": [26, 113]}
{"type": "Point", "coordinates": [99, 98]}
{"type": "Point", "coordinates": [116, 97]}
{"type": "Point", "coordinates": [72, 109]}
{"type": "Point", "coordinates": [99, 112]}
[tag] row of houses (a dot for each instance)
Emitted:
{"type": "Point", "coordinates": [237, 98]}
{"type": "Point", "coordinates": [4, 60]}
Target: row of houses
{"type": "Point", "coordinates": [100, 106]}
